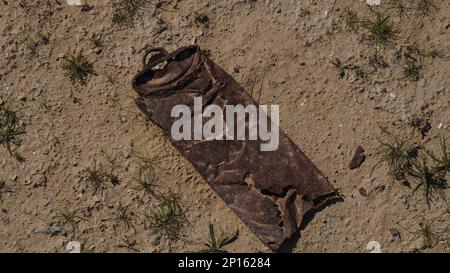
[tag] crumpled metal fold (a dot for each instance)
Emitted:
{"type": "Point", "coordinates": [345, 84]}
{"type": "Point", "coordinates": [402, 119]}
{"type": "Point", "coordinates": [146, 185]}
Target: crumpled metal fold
{"type": "Point", "coordinates": [272, 192]}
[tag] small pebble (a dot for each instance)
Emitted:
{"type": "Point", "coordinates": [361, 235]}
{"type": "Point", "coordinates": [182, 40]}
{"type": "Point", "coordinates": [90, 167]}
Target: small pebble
{"type": "Point", "coordinates": [395, 232]}
{"type": "Point", "coordinates": [404, 199]}
{"type": "Point", "coordinates": [363, 192]}
{"type": "Point", "coordinates": [358, 158]}
{"type": "Point", "coordinates": [380, 188]}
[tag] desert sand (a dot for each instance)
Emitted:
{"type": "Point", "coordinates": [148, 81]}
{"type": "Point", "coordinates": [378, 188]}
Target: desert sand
{"type": "Point", "coordinates": [278, 49]}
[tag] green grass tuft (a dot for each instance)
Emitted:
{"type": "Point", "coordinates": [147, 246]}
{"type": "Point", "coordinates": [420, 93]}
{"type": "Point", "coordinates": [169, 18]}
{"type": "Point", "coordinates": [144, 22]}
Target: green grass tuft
{"type": "Point", "coordinates": [393, 151]}
{"type": "Point", "coordinates": [10, 129]}
{"type": "Point", "coordinates": [146, 179]}
{"type": "Point", "coordinates": [402, 6]}
{"type": "Point", "coordinates": [426, 7]}
{"type": "Point", "coordinates": [78, 68]}
{"type": "Point", "coordinates": [169, 220]}
{"type": "Point", "coordinates": [339, 66]}
{"type": "Point", "coordinates": [416, 164]}
{"type": "Point", "coordinates": [411, 70]}
{"type": "Point", "coordinates": [216, 245]}
{"type": "Point", "coordinates": [147, 182]}
{"type": "Point", "coordinates": [98, 178]}
{"type": "Point", "coordinates": [68, 219]}
{"type": "Point", "coordinates": [443, 161]}
{"type": "Point", "coordinates": [352, 21]}
{"type": "Point", "coordinates": [127, 11]}
{"type": "Point", "coordinates": [430, 180]}
{"type": "Point", "coordinates": [95, 177]}
{"type": "Point", "coordinates": [125, 216]}
{"type": "Point", "coordinates": [360, 71]}
{"type": "Point", "coordinates": [428, 233]}
{"type": "Point", "coordinates": [381, 30]}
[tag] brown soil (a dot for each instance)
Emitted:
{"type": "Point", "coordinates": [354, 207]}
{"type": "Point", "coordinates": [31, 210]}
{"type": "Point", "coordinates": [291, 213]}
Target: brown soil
{"type": "Point", "coordinates": [282, 47]}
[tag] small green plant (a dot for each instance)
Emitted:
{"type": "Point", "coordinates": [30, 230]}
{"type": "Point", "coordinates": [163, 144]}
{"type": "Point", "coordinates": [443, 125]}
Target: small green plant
{"type": "Point", "coordinates": [381, 30]}
{"type": "Point", "coordinates": [10, 129]}
{"type": "Point", "coordinates": [126, 11]}
{"type": "Point", "coordinates": [339, 67]}
{"type": "Point", "coordinates": [393, 151]}
{"type": "Point", "coordinates": [406, 7]}
{"type": "Point", "coordinates": [400, 5]}
{"type": "Point", "coordinates": [95, 177]}
{"type": "Point", "coordinates": [360, 71]}
{"type": "Point", "coordinates": [147, 162]}
{"type": "Point", "coordinates": [443, 162]}
{"type": "Point", "coordinates": [425, 169]}
{"type": "Point", "coordinates": [147, 182]}
{"type": "Point", "coordinates": [216, 245]}
{"type": "Point", "coordinates": [78, 68]}
{"type": "Point", "coordinates": [99, 177]}
{"type": "Point", "coordinates": [68, 219]}
{"type": "Point", "coordinates": [430, 180]}
{"type": "Point", "coordinates": [169, 220]}
{"type": "Point", "coordinates": [352, 20]}
{"type": "Point", "coordinates": [125, 216]}
{"type": "Point", "coordinates": [427, 232]}
{"type": "Point", "coordinates": [425, 7]}
{"type": "Point", "coordinates": [110, 173]}
{"type": "Point", "coordinates": [146, 179]}
{"type": "Point", "coordinates": [411, 70]}
{"type": "Point", "coordinates": [112, 178]}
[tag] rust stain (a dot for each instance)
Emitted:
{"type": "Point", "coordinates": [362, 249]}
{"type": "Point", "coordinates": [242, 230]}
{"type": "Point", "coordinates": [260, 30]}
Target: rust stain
{"type": "Point", "coordinates": [271, 192]}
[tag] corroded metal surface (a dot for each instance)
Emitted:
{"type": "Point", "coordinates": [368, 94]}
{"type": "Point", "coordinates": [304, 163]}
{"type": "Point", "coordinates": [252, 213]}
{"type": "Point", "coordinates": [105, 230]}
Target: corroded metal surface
{"type": "Point", "coordinates": [270, 191]}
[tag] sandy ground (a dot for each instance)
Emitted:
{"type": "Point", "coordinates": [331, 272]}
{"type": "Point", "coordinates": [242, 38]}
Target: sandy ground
{"type": "Point", "coordinates": [283, 46]}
